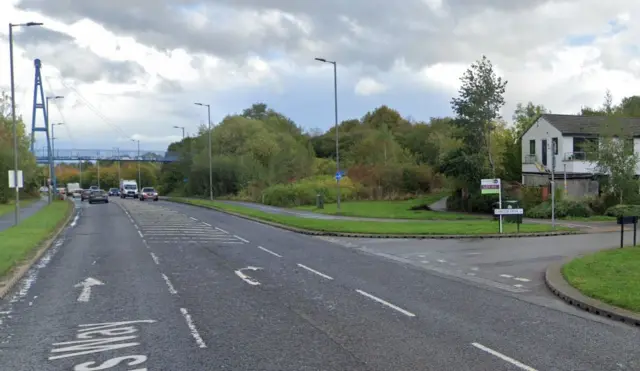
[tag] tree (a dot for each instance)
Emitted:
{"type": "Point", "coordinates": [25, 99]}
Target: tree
{"type": "Point", "coordinates": [525, 116]}
{"type": "Point", "coordinates": [477, 107]}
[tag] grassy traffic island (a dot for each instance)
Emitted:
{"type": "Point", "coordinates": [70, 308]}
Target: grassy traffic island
{"type": "Point", "coordinates": [21, 242]}
{"type": "Point", "coordinates": [611, 276]}
{"type": "Point", "coordinates": [427, 228]}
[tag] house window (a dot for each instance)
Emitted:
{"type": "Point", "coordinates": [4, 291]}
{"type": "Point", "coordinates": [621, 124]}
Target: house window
{"type": "Point", "coordinates": [554, 145]}
{"type": "Point", "coordinates": [532, 147]}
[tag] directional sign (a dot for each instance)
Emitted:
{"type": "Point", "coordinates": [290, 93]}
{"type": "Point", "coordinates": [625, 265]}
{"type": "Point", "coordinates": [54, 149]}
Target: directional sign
{"type": "Point", "coordinates": [508, 211]}
{"type": "Point", "coordinates": [339, 175]}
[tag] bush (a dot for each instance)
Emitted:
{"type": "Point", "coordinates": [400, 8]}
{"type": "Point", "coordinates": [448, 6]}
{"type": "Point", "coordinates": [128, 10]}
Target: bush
{"type": "Point", "coordinates": [304, 191]}
{"type": "Point", "coordinates": [476, 202]}
{"type": "Point", "coordinates": [623, 210]}
{"type": "Point", "coordinates": [531, 197]}
{"type": "Point", "coordinates": [564, 208]}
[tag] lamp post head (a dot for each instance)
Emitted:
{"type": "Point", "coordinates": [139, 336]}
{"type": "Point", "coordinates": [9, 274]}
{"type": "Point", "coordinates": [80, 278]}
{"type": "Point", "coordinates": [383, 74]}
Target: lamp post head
{"type": "Point", "coordinates": [30, 24]}
{"type": "Point", "coordinates": [321, 59]}
{"type": "Point", "coordinates": [199, 104]}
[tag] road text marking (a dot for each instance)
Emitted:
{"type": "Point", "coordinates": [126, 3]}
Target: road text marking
{"type": "Point", "coordinates": [518, 364]}
{"type": "Point", "coordinates": [241, 239]}
{"type": "Point", "coordinates": [172, 290]}
{"type": "Point", "coordinates": [315, 271]}
{"type": "Point", "coordinates": [269, 251]}
{"type": "Point", "coordinates": [405, 312]}
{"type": "Point", "coordinates": [192, 328]}
{"type": "Point", "coordinates": [246, 278]}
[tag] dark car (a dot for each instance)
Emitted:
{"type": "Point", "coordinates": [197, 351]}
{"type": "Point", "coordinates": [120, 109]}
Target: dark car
{"type": "Point", "coordinates": [148, 193]}
{"type": "Point", "coordinates": [114, 192]}
{"type": "Point", "coordinates": [85, 194]}
{"type": "Point", "coordinates": [98, 196]}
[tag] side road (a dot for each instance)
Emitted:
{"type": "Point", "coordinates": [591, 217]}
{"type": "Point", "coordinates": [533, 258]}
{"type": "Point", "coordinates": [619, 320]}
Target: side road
{"type": "Point", "coordinates": [7, 220]}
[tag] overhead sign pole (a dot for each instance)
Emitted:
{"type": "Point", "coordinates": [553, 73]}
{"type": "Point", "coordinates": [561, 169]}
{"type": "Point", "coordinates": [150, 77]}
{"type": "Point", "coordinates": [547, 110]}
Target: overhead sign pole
{"type": "Point", "coordinates": [492, 187]}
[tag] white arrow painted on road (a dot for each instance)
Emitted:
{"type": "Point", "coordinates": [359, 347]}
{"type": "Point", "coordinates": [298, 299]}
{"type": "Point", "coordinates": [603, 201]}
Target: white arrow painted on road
{"type": "Point", "coordinates": [86, 288]}
{"type": "Point", "coordinates": [246, 278]}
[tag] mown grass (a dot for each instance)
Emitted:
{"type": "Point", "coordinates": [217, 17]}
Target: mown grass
{"type": "Point", "coordinates": [392, 209]}
{"type": "Point", "coordinates": [19, 242]}
{"type": "Point", "coordinates": [611, 276]}
{"type": "Point", "coordinates": [452, 227]}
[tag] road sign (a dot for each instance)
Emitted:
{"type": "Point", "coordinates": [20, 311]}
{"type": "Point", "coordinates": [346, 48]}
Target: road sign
{"type": "Point", "coordinates": [508, 211]}
{"type": "Point", "coordinates": [490, 186]}
{"type": "Point", "coordinates": [339, 175]}
{"type": "Point", "coordinates": [12, 180]}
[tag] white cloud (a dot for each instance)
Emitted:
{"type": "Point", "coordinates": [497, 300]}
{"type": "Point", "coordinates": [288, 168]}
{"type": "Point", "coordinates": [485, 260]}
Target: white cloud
{"type": "Point", "coordinates": [369, 86]}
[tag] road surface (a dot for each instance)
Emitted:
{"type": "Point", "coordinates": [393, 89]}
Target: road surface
{"type": "Point", "coordinates": [160, 286]}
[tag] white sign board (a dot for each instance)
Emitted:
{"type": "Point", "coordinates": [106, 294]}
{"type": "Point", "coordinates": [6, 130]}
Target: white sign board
{"type": "Point", "coordinates": [490, 186]}
{"type": "Point", "coordinates": [508, 211]}
{"type": "Point", "coordinates": [12, 179]}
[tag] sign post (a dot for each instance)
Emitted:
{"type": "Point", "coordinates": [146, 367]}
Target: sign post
{"type": "Point", "coordinates": [493, 187]}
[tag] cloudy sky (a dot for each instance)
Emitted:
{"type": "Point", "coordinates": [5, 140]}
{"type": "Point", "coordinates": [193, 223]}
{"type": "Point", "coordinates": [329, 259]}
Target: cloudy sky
{"type": "Point", "coordinates": [133, 68]}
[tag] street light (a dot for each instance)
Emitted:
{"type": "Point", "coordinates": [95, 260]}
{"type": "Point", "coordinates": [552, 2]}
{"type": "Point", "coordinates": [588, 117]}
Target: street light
{"type": "Point", "coordinates": [210, 163]}
{"type": "Point", "coordinates": [335, 99]}
{"type": "Point", "coordinates": [13, 113]}
{"type": "Point", "coordinates": [139, 177]}
{"type": "Point", "coordinates": [180, 127]}
{"type": "Point", "coordinates": [52, 163]}
{"type": "Point", "coordinates": [118, 155]}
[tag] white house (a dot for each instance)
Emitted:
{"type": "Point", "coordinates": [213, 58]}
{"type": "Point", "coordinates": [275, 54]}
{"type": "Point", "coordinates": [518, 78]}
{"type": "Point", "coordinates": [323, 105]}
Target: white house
{"type": "Point", "coordinates": [567, 138]}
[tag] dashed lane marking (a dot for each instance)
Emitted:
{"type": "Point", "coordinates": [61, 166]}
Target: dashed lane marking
{"type": "Point", "coordinates": [269, 251]}
{"type": "Point", "coordinates": [315, 271]}
{"type": "Point", "coordinates": [386, 303]}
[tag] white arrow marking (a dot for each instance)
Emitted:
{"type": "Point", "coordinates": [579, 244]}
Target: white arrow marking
{"type": "Point", "coordinates": [246, 278]}
{"type": "Point", "coordinates": [86, 288]}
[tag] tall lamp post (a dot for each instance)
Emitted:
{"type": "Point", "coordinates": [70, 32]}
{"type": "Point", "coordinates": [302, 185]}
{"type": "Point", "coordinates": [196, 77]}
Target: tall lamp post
{"type": "Point", "coordinates": [139, 177]}
{"type": "Point", "coordinates": [180, 127]}
{"type": "Point", "coordinates": [118, 155]}
{"type": "Point", "coordinates": [13, 114]}
{"type": "Point", "coordinates": [210, 161]}
{"type": "Point", "coordinates": [52, 166]}
{"type": "Point", "coordinates": [335, 101]}
{"type": "Point", "coordinates": [53, 156]}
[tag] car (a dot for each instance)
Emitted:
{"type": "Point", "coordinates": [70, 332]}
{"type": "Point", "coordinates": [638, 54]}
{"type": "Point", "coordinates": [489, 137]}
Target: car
{"type": "Point", "coordinates": [94, 188]}
{"type": "Point", "coordinates": [76, 193]}
{"type": "Point", "coordinates": [98, 196]}
{"type": "Point", "coordinates": [148, 193]}
{"type": "Point", "coordinates": [114, 192]}
{"type": "Point", "coordinates": [85, 194]}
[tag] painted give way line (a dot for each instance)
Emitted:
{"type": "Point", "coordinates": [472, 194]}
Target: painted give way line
{"type": "Point", "coordinates": [518, 364]}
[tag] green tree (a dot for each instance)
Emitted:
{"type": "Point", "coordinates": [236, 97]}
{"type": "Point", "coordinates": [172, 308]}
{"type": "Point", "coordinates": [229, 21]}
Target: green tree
{"type": "Point", "coordinates": [525, 116]}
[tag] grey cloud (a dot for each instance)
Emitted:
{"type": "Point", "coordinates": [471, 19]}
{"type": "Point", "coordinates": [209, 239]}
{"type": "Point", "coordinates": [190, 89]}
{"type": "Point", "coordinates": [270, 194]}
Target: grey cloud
{"type": "Point", "coordinates": [60, 50]}
{"type": "Point", "coordinates": [390, 31]}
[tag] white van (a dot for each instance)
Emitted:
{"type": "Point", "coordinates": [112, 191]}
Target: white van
{"type": "Point", "coordinates": [128, 188]}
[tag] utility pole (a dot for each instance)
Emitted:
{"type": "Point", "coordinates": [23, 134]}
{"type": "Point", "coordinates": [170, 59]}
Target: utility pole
{"type": "Point", "coordinates": [553, 184]}
{"type": "Point", "coordinates": [210, 158]}
{"type": "Point", "coordinates": [139, 176]}
{"type": "Point", "coordinates": [81, 174]}
{"type": "Point", "coordinates": [98, 165]}
{"type": "Point", "coordinates": [119, 173]}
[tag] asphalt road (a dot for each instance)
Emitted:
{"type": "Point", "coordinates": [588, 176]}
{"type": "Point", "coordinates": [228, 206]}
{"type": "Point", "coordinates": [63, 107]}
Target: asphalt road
{"type": "Point", "coordinates": [158, 286]}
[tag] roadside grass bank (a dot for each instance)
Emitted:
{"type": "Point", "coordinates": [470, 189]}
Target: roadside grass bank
{"type": "Point", "coordinates": [10, 207]}
{"type": "Point", "coordinates": [611, 276]}
{"type": "Point", "coordinates": [409, 209]}
{"type": "Point", "coordinates": [453, 227]}
{"type": "Point", "coordinates": [19, 242]}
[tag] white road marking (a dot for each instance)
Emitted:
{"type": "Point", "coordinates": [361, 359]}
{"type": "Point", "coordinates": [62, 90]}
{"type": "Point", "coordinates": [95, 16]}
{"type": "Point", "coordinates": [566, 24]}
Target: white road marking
{"type": "Point", "coordinates": [246, 278]}
{"type": "Point", "coordinates": [85, 294]}
{"type": "Point", "coordinates": [425, 262]}
{"type": "Point", "coordinates": [141, 235]}
{"type": "Point", "coordinates": [518, 285]}
{"type": "Point", "coordinates": [192, 328]}
{"type": "Point", "coordinates": [269, 251]}
{"type": "Point", "coordinates": [241, 239]}
{"type": "Point", "coordinates": [135, 225]}
{"type": "Point", "coordinates": [75, 221]}
{"type": "Point", "coordinates": [405, 312]}
{"type": "Point", "coordinates": [471, 274]}
{"type": "Point", "coordinates": [474, 268]}
{"type": "Point", "coordinates": [441, 261]}
{"type": "Point", "coordinates": [518, 364]}
{"type": "Point", "coordinates": [155, 258]}
{"type": "Point", "coordinates": [506, 276]}
{"type": "Point", "coordinates": [207, 224]}
{"type": "Point", "coordinates": [94, 262]}
{"type": "Point", "coordinates": [192, 218]}
{"type": "Point", "coordinates": [315, 271]}
{"type": "Point", "coordinates": [222, 230]}
{"type": "Point", "coordinates": [522, 279]}
{"type": "Point", "coordinates": [172, 290]}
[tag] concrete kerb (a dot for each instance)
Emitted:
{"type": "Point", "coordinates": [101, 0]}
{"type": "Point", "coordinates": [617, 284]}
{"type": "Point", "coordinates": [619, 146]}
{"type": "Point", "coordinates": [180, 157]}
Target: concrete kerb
{"type": "Point", "coordinates": [373, 235]}
{"type": "Point", "coordinates": [556, 282]}
{"type": "Point", "coordinates": [16, 275]}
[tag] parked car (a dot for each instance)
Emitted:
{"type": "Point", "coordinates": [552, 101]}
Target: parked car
{"type": "Point", "coordinates": [114, 192]}
{"type": "Point", "coordinates": [98, 196]}
{"type": "Point", "coordinates": [148, 193]}
{"type": "Point", "coordinates": [85, 194]}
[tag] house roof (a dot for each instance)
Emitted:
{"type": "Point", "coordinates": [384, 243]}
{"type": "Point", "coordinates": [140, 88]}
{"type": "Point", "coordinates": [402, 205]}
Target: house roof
{"type": "Point", "coordinates": [590, 125]}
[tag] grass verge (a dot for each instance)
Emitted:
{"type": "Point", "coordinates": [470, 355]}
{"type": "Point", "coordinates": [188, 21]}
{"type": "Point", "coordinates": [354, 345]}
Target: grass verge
{"type": "Point", "coordinates": [10, 207]}
{"type": "Point", "coordinates": [21, 241]}
{"type": "Point", "coordinates": [392, 209]}
{"type": "Point", "coordinates": [470, 227]}
{"type": "Point", "coordinates": [611, 276]}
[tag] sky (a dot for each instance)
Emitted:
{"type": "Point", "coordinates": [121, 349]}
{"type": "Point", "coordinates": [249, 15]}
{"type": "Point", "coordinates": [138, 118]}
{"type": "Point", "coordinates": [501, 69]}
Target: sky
{"type": "Point", "coordinates": [134, 69]}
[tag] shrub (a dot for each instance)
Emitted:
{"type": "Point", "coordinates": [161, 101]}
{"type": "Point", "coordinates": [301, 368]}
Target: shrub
{"type": "Point", "coordinates": [474, 203]}
{"type": "Point", "coordinates": [304, 191]}
{"type": "Point", "coordinates": [531, 197]}
{"type": "Point", "coordinates": [623, 210]}
{"type": "Point", "coordinates": [564, 208]}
